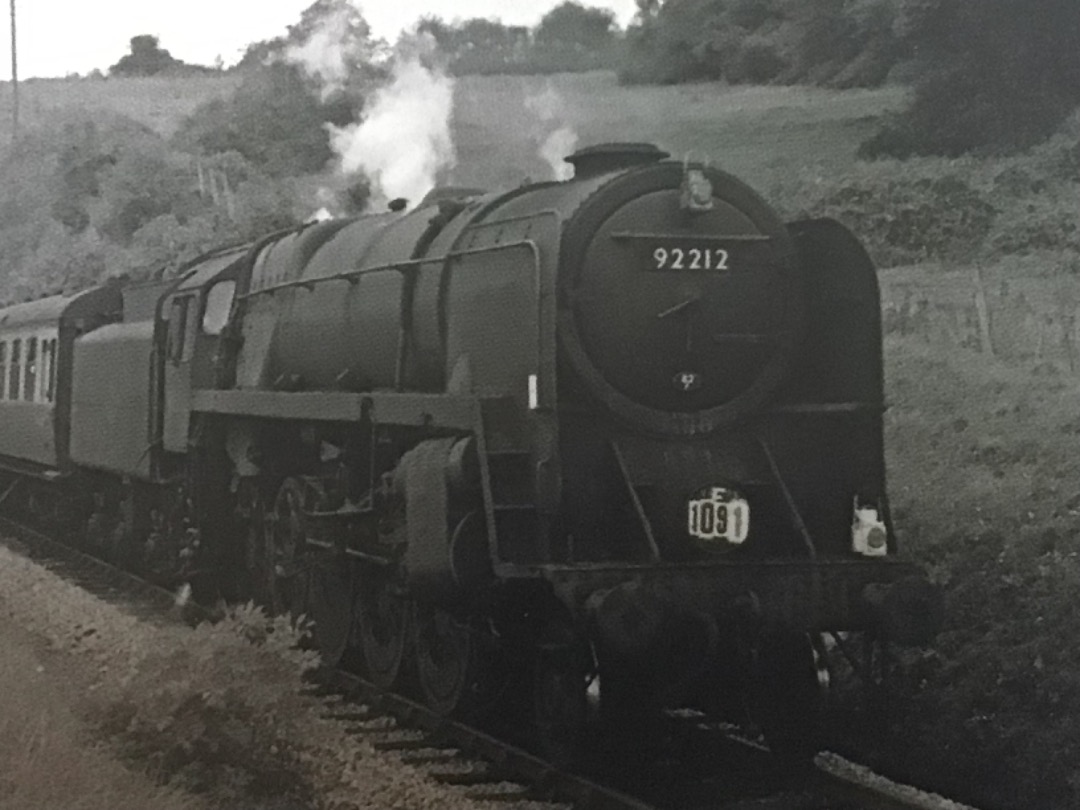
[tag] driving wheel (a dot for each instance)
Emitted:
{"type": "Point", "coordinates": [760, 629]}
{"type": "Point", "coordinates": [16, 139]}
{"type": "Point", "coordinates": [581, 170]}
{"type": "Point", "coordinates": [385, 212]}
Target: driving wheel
{"type": "Point", "coordinates": [286, 563]}
{"type": "Point", "coordinates": [448, 664]}
{"type": "Point", "coordinates": [383, 621]}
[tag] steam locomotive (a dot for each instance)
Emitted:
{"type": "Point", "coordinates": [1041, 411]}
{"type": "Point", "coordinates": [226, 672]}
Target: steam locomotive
{"type": "Point", "coordinates": [618, 435]}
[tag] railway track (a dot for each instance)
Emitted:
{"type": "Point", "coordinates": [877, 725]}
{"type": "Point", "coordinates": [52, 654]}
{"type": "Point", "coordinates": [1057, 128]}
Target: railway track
{"type": "Point", "coordinates": [698, 766]}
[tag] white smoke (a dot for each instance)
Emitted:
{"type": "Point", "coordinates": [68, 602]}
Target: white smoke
{"type": "Point", "coordinates": [554, 150]}
{"type": "Point", "coordinates": [559, 142]}
{"type": "Point", "coordinates": [403, 140]}
{"type": "Point", "coordinates": [548, 105]}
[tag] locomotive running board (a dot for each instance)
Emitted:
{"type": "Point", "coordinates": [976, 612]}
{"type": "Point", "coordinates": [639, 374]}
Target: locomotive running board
{"type": "Point", "coordinates": [451, 411]}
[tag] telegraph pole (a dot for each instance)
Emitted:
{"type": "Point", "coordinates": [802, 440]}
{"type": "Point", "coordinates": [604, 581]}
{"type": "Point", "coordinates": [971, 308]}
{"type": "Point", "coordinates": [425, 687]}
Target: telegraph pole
{"type": "Point", "coordinates": [14, 78]}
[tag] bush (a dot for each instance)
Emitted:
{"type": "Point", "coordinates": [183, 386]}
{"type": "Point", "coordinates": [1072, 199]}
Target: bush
{"type": "Point", "coordinates": [218, 708]}
{"type": "Point", "coordinates": [757, 61]}
{"type": "Point", "coordinates": [1045, 221]}
{"type": "Point", "coordinates": [904, 214]}
{"type": "Point", "coordinates": [963, 111]}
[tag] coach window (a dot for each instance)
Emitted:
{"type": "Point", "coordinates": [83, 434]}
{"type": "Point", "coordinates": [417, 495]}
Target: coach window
{"type": "Point", "coordinates": [43, 372]}
{"type": "Point", "coordinates": [50, 389]}
{"type": "Point", "coordinates": [30, 383]}
{"type": "Point", "coordinates": [177, 321]}
{"type": "Point", "coordinates": [218, 303]}
{"type": "Point", "coordinates": [15, 369]}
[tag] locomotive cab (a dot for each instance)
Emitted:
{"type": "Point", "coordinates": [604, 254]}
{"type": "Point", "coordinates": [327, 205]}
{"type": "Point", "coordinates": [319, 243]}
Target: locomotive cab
{"type": "Point", "coordinates": [190, 322]}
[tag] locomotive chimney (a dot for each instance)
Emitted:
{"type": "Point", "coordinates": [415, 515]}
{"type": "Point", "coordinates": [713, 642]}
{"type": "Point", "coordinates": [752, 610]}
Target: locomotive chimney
{"type": "Point", "coordinates": [609, 157]}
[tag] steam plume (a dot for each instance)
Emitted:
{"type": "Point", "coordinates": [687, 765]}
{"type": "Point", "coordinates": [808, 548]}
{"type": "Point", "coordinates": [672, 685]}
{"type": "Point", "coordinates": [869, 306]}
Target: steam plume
{"type": "Point", "coordinates": [548, 106]}
{"type": "Point", "coordinates": [403, 141]}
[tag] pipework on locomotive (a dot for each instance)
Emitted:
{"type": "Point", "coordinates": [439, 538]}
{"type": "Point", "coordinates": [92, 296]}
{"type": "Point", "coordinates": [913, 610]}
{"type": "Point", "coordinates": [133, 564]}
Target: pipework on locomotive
{"type": "Point", "coordinates": [622, 431]}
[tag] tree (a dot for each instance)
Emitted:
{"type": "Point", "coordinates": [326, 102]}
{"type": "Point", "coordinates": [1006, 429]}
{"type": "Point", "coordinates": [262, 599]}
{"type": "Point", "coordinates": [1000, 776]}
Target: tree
{"type": "Point", "coordinates": [274, 119]}
{"type": "Point", "coordinates": [147, 58]}
{"type": "Point", "coordinates": [327, 29]}
{"type": "Point", "coordinates": [572, 26]}
{"type": "Point", "coordinates": [997, 75]}
{"type": "Point", "coordinates": [489, 36]}
{"type": "Point", "coordinates": [681, 40]}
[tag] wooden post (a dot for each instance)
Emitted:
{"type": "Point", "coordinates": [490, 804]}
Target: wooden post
{"type": "Point", "coordinates": [230, 200]}
{"type": "Point", "coordinates": [14, 78]}
{"type": "Point", "coordinates": [1067, 330]}
{"type": "Point", "coordinates": [982, 309]}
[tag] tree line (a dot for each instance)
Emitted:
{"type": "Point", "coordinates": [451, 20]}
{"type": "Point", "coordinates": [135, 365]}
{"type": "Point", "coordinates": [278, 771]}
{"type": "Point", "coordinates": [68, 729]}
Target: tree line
{"type": "Point", "coordinates": [989, 75]}
{"type": "Point", "coordinates": [91, 193]}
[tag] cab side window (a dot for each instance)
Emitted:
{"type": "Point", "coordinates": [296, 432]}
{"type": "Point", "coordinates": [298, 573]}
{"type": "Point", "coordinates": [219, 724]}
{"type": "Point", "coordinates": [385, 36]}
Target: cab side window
{"type": "Point", "coordinates": [50, 385]}
{"type": "Point", "coordinates": [218, 303]}
{"type": "Point", "coordinates": [191, 329]}
{"type": "Point", "coordinates": [177, 323]}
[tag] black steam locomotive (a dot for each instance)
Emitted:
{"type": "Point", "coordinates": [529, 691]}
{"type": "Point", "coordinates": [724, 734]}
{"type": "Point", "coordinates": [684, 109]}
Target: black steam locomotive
{"type": "Point", "coordinates": [620, 434]}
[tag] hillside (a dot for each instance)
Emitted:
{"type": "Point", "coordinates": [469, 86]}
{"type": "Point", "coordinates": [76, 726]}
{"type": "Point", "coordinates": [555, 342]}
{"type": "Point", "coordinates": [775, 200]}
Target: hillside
{"type": "Point", "coordinates": [758, 133]}
{"type": "Point", "coordinates": [160, 103]}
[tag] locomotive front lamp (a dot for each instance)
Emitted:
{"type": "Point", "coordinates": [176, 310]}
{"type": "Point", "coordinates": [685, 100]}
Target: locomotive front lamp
{"type": "Point", "coordinates": [696, 192]}
{"type": "Point", "coordinates": [868, 534]}
{"type": "Point", "coordinates": [534, 393]}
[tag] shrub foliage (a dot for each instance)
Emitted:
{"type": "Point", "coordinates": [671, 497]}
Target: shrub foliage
{"type": "Point", "coordinates": [220, 708]}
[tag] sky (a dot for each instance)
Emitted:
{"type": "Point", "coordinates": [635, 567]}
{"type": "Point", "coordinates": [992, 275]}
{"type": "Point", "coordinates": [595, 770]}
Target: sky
{"type": "Point", "coordinates": [58, 37]}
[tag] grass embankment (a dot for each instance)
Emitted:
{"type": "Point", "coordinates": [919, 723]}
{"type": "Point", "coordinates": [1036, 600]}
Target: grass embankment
{"type": "Point", "coordinates": [984, 463]}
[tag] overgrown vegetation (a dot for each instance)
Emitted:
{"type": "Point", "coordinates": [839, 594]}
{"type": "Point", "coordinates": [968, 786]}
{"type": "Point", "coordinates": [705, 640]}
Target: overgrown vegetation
{"type": "Point", "coordinates": [219, 710]}
{"type": "Point", "coordinates": [986, 489]}
{"type": "Point", "coordinates": [971, 209]}
{"type": "Point", "coordinates": [90, 195]}
{"type": "Point", "coordinates": [87, 195]}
